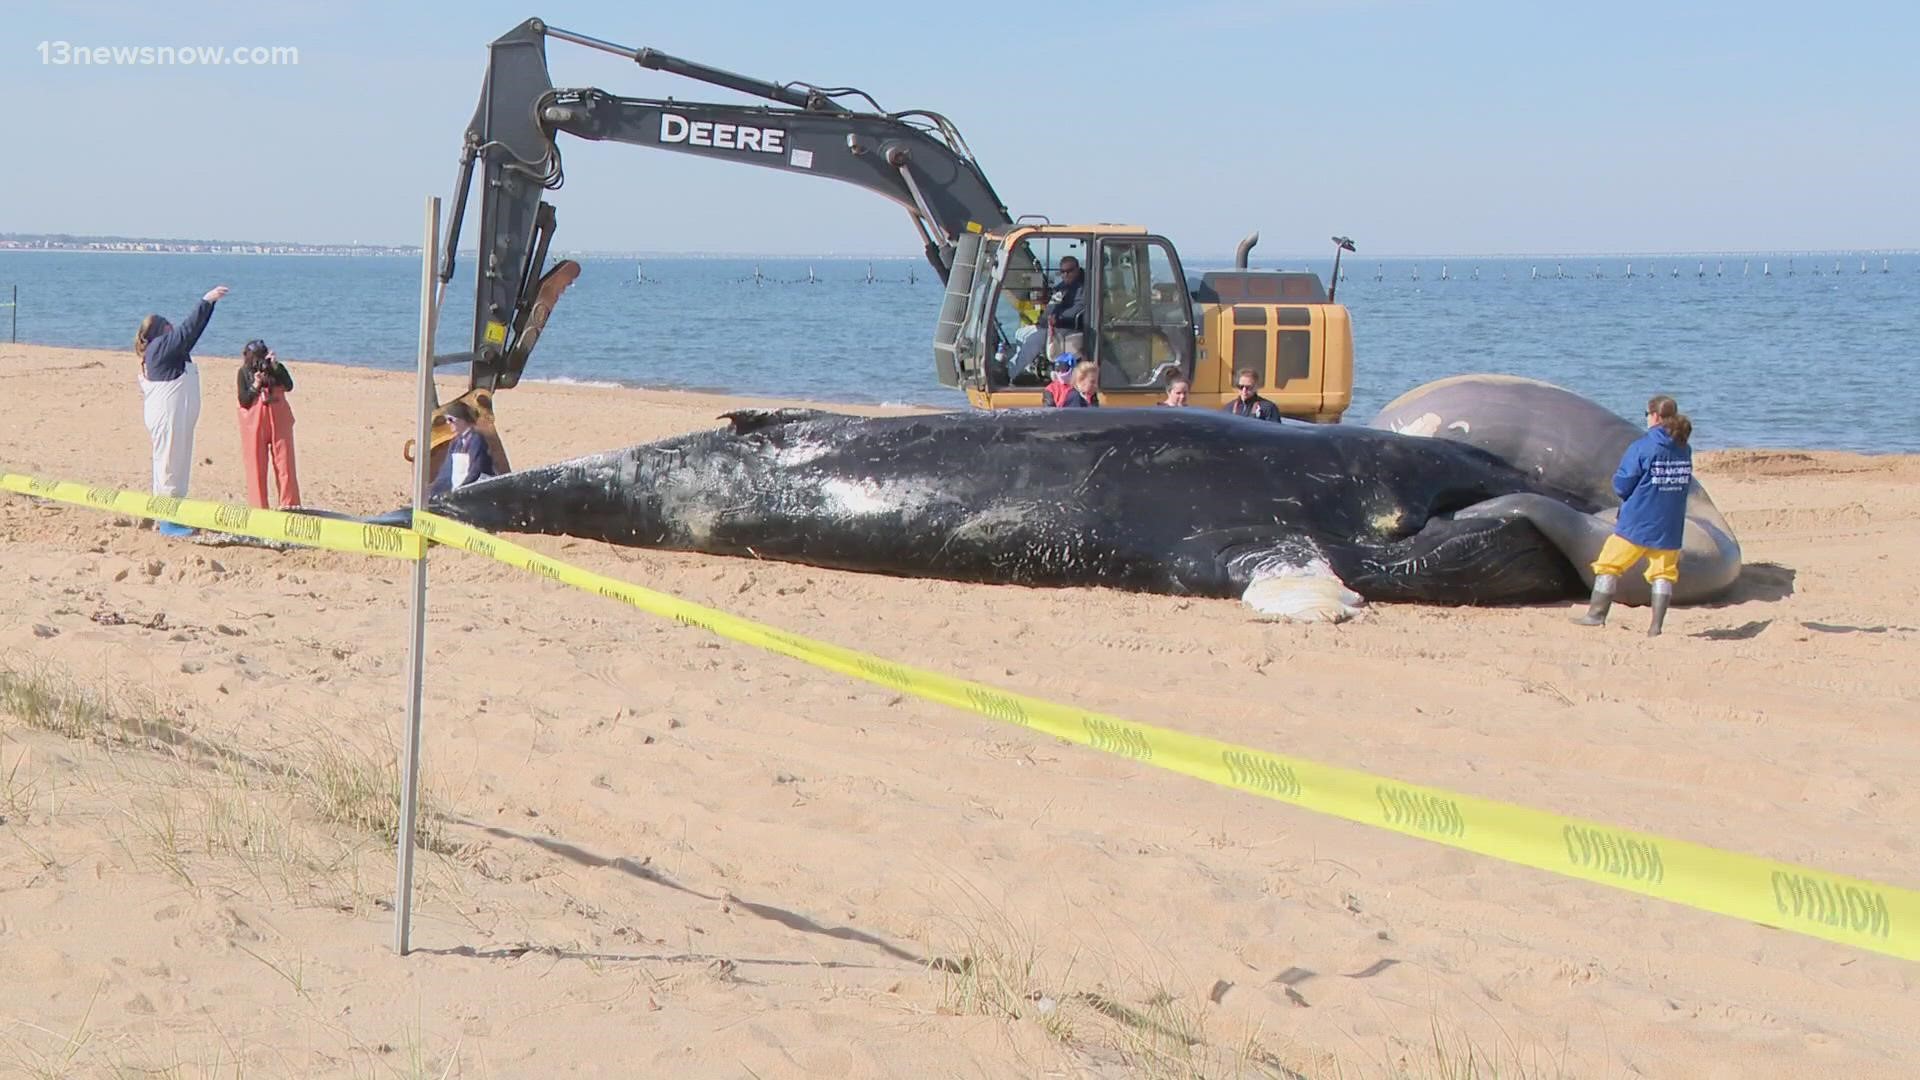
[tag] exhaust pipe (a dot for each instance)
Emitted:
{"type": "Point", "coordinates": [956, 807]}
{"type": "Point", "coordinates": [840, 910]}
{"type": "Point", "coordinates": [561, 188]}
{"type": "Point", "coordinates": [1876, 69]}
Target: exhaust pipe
{"type": "Point", "coordinates": [1340, 244]}
{"type": "Point", "coordinates": [1240, 253]}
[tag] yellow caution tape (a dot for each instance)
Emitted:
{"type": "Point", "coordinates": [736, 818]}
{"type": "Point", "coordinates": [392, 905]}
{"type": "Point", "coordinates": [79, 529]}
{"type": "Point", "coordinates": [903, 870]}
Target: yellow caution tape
{"type": "Point", "coordinates": [1851, 911]}
{"type": "Point", "coordinates": [1881, 918]}
{"type": "Point", "coordinates": [306, 529]}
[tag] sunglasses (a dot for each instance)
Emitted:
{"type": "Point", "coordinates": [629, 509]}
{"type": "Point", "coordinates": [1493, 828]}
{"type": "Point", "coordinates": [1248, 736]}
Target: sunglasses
{"type": "Point", "coordinates": [1246, 386]}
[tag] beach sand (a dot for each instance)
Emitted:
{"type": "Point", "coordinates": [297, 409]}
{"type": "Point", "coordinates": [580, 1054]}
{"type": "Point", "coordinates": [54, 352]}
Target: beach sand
{"type": "Point", "coordinates": [658, 853]}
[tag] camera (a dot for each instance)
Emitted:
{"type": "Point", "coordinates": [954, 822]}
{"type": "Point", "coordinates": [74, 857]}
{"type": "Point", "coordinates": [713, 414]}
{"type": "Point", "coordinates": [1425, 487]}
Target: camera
{"type": "Point", "coordinates": [254, 358]}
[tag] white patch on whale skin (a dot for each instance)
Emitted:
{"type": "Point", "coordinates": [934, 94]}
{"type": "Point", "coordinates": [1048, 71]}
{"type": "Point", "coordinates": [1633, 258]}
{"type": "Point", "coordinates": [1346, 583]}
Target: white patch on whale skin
{"type": "Point", "coordinates": [801, 453]}
{"type": "Point", "coordinates": [699, 523]}
{"type": "Point", "coordinates": [1387, 522]}
{"type": "Point", "coordinates": [856, 497]}
{"type": "Point", "coordinates": [1421, 426]}
{"type": "Point", "coordinates": [1428, 424]}
{"type": "Point", "coordinates": [862, 497]}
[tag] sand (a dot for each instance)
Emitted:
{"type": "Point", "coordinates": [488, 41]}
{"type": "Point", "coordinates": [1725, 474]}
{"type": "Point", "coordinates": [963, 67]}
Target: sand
{"type": "Point", "coordinates": [663, 854]}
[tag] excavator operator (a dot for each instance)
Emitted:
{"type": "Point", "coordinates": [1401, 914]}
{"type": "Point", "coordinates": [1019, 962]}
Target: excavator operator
{"type": "Point", "coordinates": [1065, 313]}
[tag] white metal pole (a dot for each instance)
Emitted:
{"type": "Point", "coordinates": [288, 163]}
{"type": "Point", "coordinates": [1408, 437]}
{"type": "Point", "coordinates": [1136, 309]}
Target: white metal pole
{"type": "Point", "coordinates": [417, 644]}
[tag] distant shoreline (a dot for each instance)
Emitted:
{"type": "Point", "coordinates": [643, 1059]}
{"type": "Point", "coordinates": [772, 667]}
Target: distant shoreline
{"type": "Point", "coordinates": [250, 254]}
{"type": "Point", "coordinates": [1219, 257]}
{"type": "Point", "coordinates": [465, 254]}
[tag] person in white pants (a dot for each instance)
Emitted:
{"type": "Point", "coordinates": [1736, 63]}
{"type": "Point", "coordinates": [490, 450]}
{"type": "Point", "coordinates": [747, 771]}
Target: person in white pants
{"type": "Point", "coordinates": [170, 394]}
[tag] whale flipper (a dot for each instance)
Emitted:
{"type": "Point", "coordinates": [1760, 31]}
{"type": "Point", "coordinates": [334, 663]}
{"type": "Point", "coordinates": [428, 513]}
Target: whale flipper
{"type": "Point", "coordinates": [1291, 581]}
{"type": "Point", "coordinates": [1302, 595]}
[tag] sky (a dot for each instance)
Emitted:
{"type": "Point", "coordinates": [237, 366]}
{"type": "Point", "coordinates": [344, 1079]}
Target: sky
{"type": "Point", "coordinates": [1414, 128]}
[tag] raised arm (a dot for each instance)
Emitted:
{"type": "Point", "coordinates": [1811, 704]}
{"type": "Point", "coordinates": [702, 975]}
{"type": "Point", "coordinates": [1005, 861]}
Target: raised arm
{"type": "Point", "coordinates": [187, 334]}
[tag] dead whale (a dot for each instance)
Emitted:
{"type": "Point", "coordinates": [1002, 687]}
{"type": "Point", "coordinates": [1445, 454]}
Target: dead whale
{"type": "Point", "coordinates": [1301, 522]}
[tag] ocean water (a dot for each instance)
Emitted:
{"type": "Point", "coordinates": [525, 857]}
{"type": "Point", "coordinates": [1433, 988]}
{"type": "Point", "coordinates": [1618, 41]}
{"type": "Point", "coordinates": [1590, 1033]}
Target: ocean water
{"type": "Point", "coordinates": [1805, 357]}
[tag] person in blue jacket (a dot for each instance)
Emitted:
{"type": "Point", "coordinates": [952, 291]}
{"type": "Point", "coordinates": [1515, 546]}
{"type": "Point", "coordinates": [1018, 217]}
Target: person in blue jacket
{"type": "Point", "coordinates": [170, 395]}
{"type": "Point", "coordinates": [1653, 480]}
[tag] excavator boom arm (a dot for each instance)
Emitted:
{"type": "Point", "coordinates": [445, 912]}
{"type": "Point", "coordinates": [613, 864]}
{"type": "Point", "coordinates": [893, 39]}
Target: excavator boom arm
{"type": "Point", "coordinates": [880, 153]}
{"type": "Point", "coordinates": [916, 159]}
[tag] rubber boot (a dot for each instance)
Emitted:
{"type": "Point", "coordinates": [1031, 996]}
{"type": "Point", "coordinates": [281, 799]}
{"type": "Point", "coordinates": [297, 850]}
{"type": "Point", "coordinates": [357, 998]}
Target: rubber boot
{"type": "Point", "coordinates": [1662, 597]}
{"type": "Point", "coordinates": [1602, 600]}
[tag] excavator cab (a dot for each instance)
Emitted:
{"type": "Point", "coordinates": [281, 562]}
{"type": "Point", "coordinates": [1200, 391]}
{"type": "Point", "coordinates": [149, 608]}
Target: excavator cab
{"type": "Point", "coordinates": [1133, 313]}
{"type": "Point", "coordinates": [1144, 322]}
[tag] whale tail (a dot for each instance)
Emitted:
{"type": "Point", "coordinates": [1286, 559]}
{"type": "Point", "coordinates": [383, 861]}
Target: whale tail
{"type": "Point", "coordinates": [1709, 555]}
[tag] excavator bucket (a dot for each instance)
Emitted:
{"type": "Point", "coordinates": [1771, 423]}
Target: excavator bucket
{"type": "Point", "coordinates": [440, 432]}
{"type": "Point", "coordinates": [480, 398]}
{"type": "Point", "coordinates": [546, 295]}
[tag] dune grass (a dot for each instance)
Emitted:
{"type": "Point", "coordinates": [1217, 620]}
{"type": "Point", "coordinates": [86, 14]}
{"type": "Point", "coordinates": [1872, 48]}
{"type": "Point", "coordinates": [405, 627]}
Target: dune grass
{"type": "Point", "coordinates": [314, 822]}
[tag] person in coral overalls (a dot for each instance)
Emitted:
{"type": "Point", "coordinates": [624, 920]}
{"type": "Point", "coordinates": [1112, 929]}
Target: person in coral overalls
{"type": "Point", "coordinates": [266, 426]}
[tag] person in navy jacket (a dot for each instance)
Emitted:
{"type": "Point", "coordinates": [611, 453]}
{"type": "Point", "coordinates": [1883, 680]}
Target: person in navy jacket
{"type": "Point", "coordinates": [1250, 403]}
{"type": "Point", "coordinates": [1067, 310]}
{"type": "Point", "coordinates": [468, 456]}
{"type": "Point", "coordinates": [1654, 478]}
{"type": "Point", "coordinates": [170, 395]}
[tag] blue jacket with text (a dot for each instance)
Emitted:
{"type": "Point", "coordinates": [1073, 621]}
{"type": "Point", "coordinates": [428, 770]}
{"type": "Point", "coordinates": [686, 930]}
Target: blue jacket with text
{"type": "Point", "coordinates": [1654, 477]}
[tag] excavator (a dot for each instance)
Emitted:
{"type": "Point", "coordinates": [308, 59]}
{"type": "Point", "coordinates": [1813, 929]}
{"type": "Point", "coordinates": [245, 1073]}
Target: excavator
{"type": "Point", "coordinates": [1016, 290]}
